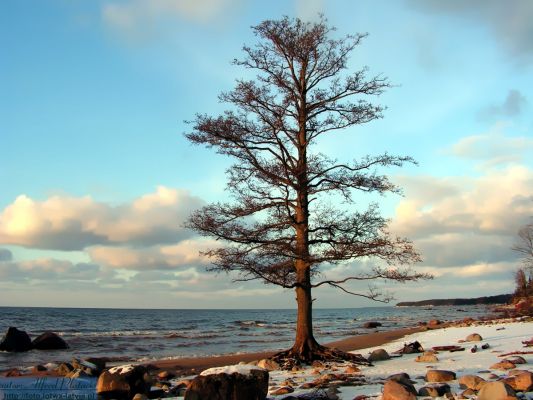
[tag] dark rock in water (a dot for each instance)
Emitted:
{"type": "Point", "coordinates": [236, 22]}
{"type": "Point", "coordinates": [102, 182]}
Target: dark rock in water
{"type": "Point", "coordinates": [49, 341]}
{"type": "Point", "coordinates": [15, 341]}
{"type": "Point", "coordinates": [229, 386]}
{"type": "Point", "coordinates": [38, 368]}
{"type": "Point", "coordinates": [379, 355]}
{"type": "Point", "coordinates": [371, 324]}
{"type": "Point", "coordinates": [123, 382]}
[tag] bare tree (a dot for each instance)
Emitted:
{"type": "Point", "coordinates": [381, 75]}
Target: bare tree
{"type": "Point", "coordinates": [281, 228]}
{"type": "Point", "coordinates": [524, 246]}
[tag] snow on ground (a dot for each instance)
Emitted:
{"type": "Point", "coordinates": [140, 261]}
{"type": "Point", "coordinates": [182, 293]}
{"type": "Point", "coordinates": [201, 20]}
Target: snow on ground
{"type": "Point", "coordinates": [503, 338]}
{"type": "Point", "coordinates": [465, 362]}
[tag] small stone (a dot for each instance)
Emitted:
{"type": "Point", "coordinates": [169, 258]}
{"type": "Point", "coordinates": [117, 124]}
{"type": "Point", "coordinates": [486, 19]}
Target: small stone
{"type": "Point", "coordinates": [352, 369]}
{"type": "Point", "coordinates": [371, 324]}
{"type": "Point", "coordinates": [393, 390]}
{"type": "Point", "coordinates": [140, 396]}
{"type": "Point", "coordinates": [521, 382]}
{"type": "Point", "coordinates": [503, 365]}
{"type": "Point", "coordinates": [427, 358]}
{"type": "Point", "coordinates": [434, 322]}
{"type": "Point", "coordinates": [435, 390]}
{"type": "Point", "coordinates": [378, 355]}
{"type": "Point", "coordinates": [38, 368]}
{"type": "Point", "coordinates": [474, 337]}
{"type": "Point", "coordinates": [282, 390]}
{"type": "Point", "coordinates": [470, 382]}
{"type": "Point", "coordinates": [516, 360]}
{"type": "Point", "coordinates": [269, 365]}
{"type": "Point", "coordinates": [438, 375]}
{"type": "Point", "coordinates": [496, 391]}
{"type": "Point", "coordinates": [163, 375]}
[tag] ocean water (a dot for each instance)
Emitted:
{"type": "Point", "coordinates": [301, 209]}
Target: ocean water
{"type": "Point", "coordinates": [141, 335]}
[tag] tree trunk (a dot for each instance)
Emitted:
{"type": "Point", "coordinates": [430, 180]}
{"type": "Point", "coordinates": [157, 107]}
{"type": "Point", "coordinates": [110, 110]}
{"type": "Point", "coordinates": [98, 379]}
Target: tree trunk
{"type": "Point", "coordinates": [305, 344]}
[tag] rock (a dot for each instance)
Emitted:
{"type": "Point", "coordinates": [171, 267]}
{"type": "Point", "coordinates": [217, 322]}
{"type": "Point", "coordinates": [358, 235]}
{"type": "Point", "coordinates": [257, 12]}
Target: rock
{"type": "Point", "coordinates": [394, 390]}
{"type": "Point", "coordinates": [269, 365]}
{"type": "Point", "coordinates": [99, 362]}
{"type": "Point", "coordinates": [516, 360]}
{"type": "Point", "coordinates": [13, 372]}
{"type": "Point", "coordinates": [140, 396]}
{"type": "Point", "coordinates": [15, 340]}
{"type": "Point", "coordinates": [77, 373]}
{"type": "Point", "coordinates": [123, 382]}
{"type": "Point", "coordinates": [411, 348]}
{"type": "Point", "coordinates": [49, 341]}
{"type": "Point", "coordinates": [439, 375]}
{"type": "Point", "coordinates": [282, 390]}
{"type": "Point", "coordinates": [64, 369]}
{"type": "Point", "coordinates": [503, 365]}
{"type": "Point", "coordinates": [371, 324]}
{"type": "Point", "coordinates": [229, 383]}
{"type": "Point", "coordinates": [522, 382]}
{"type": "Point", "coordinates": [434, 322]}
{"type": "Point", "coordinates": [427, 357]}
{"type": "Point", "coordinates": [474, 337]}
{"type": "Point", "coordinates": [496, 391]}
{"type": "Point", "coordinates": [401, 377]}
{"type": "Point", "coordinates": [378, 355]}
{"type": "Point", "coordinates": [164, 375]}
{"type": "Point", "coordinates": [112, 386]}
{"type": "Point", "coordinates": [352, 369]}
{"type": "Point", "coordinates": [435, 390]}
{"type": "Point", "coordinates": [473, 382]}
{"type": "Point", "coordinates": [90, 368]}
{"type": "Point", "coordinates": [38, 368]}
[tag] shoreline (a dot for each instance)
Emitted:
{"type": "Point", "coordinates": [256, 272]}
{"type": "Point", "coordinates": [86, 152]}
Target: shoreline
{"type": "Point", "coordinates": [194, 365]}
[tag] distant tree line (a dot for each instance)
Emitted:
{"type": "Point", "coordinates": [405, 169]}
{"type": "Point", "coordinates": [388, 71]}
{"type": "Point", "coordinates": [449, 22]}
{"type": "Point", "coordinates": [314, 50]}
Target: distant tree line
{"type": "Point", "coordinates": [499, 299]}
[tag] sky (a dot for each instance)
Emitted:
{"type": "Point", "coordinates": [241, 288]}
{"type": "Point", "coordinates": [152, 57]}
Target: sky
{"type": "Point", "coordinates": [97, 178]}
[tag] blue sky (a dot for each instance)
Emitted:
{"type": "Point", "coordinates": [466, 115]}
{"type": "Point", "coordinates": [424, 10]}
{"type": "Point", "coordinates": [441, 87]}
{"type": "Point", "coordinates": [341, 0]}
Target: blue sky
{"type": "Point", "coordinates": [97, 178]}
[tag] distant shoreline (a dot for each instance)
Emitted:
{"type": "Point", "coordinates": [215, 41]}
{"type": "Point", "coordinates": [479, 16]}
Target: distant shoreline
{"type": "Point", "coordinates": [498, 299]}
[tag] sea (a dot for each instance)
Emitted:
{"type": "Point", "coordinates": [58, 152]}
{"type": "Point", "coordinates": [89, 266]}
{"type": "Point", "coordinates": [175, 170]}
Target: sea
{"type": "Point", "coordinates": [141, 335]}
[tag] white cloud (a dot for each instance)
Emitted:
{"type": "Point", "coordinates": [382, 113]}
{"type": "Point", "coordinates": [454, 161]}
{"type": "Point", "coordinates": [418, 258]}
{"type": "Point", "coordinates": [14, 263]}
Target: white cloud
{"type": "Point", "coordinates": [141, 18]}
{"type": "Point", "coordinates": [493, 148]}
{"type": "Point", "coordinates": [74, 223]}
{"type": "Point", "coordinates": [175, 256]}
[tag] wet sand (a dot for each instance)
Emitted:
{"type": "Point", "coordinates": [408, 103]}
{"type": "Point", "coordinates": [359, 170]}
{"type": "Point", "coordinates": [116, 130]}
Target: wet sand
{"type": "Point", "coordinates": [194, 365]}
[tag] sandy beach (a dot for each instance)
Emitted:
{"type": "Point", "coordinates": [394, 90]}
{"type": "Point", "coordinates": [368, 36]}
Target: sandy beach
{"type": "Point", "coordinates": [191, 365]}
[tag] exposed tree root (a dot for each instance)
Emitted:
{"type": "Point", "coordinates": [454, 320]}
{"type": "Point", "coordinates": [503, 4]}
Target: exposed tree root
{"type": "Point", "coordinates": [287, 359]}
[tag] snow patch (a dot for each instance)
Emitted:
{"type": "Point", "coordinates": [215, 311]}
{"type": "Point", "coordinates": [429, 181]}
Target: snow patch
{"type": "Point", "coordinates": [232, 369]}
{"type": "Point", "coordinates": [122, 369]}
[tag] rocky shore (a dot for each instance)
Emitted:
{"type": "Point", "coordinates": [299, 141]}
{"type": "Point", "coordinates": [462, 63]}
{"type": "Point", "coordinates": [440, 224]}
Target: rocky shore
{"type": "Point", "coordinates": [464, 359]}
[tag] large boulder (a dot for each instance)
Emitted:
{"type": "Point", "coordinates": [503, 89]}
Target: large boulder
{"type": "Point", "coordinates": [439, 375]}
{"type": "Point", "coordinates": [496, 391]}
{"type": "Point", "coordinates": [123, 382]}
{"type": "Point", "coordinates": [49, 341]}
{"type": "Point", "coordinates": [398, 390]}
{"type": "Point", "coordinates": [238, 382]}
{"type": "Point", "coordinates": [15, 341]}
